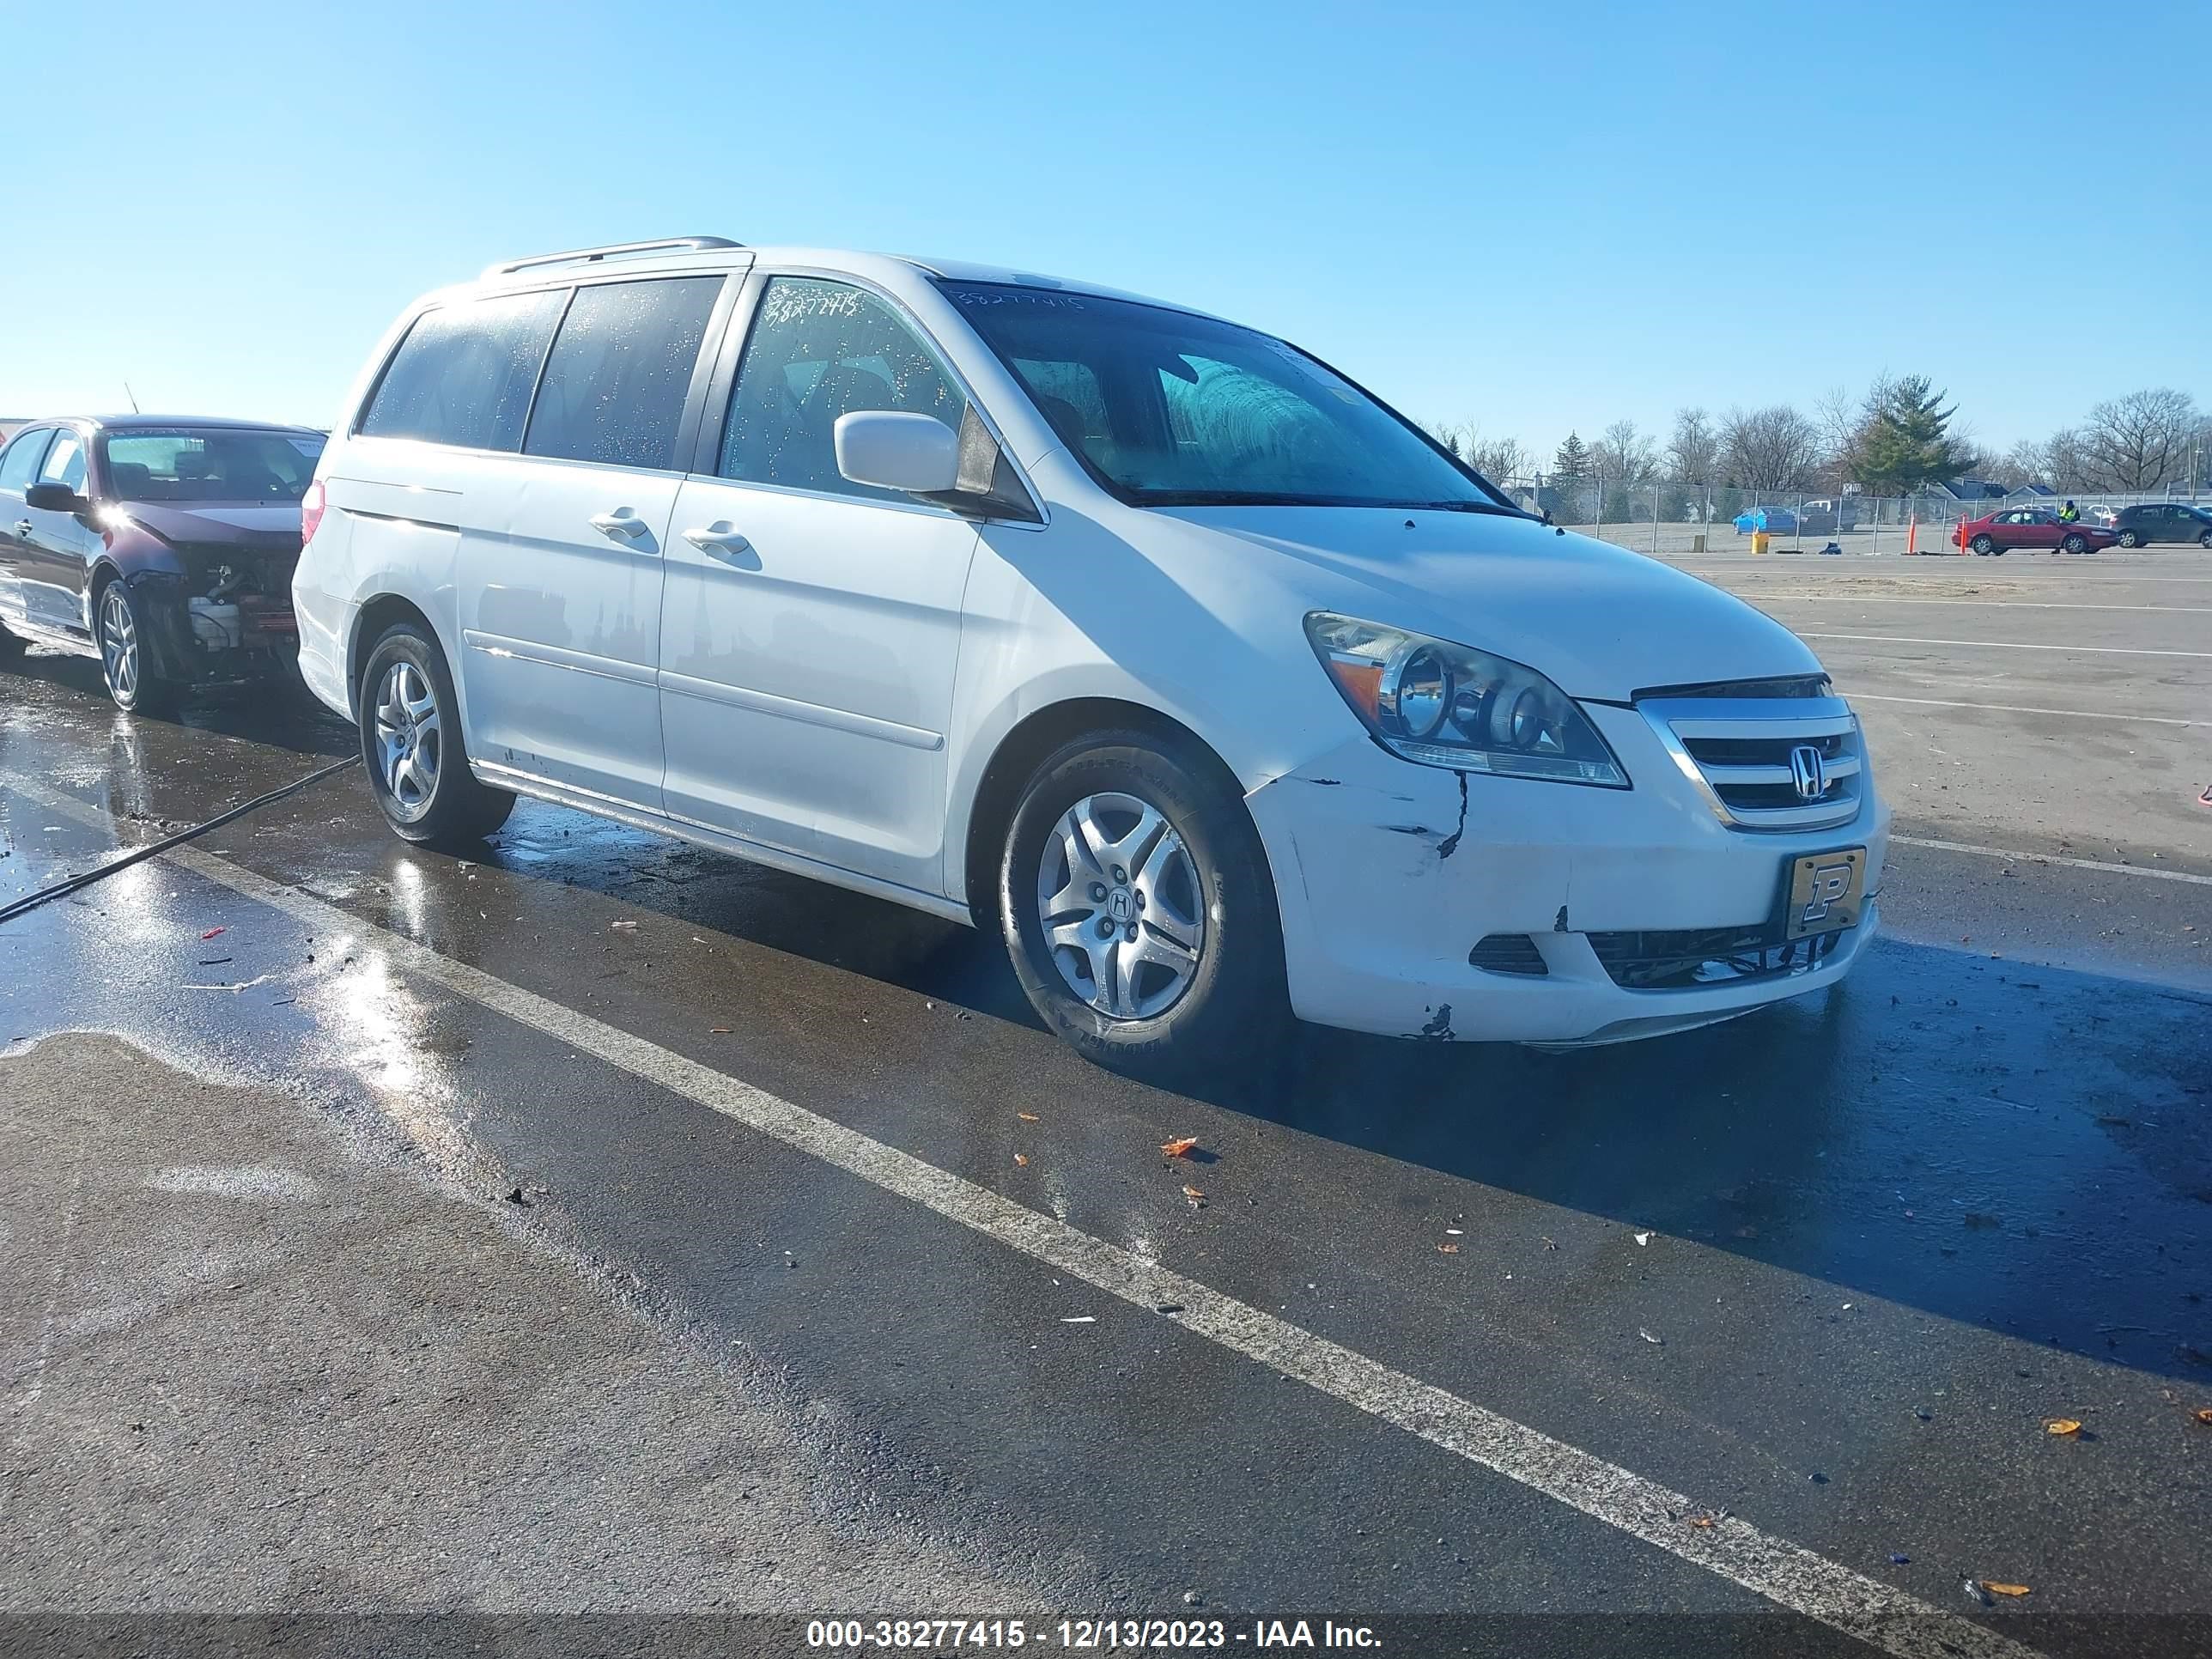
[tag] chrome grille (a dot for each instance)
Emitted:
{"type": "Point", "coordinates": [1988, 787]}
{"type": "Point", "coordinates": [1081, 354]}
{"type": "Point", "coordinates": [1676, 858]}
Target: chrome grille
{"type": "Point", "coordinates": [1754, 758]}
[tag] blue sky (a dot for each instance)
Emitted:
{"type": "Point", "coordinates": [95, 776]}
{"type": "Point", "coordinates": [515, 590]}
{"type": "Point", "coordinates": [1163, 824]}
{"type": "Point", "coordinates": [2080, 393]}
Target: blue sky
{"type": "Point", "coordinates": [1528, 218]}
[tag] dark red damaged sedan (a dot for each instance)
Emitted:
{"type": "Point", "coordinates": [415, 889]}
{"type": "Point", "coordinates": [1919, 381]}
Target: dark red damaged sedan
{"type": "Point", "coordinates": [163, 546]}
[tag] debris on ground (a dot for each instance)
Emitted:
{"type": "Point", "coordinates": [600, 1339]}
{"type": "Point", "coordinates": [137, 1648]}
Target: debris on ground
{"type": "Point", "coordinates": [1995, 1589]}
{"type": "Point", "coordinates": [1179, 1147]}
{"type": "Point", "coordinates": [1975, 1593]}
{"type": "Point", "coordinates": [1898, 1560]}
{"type": "Point", "coordinates": [718, 1030]}
{"type": "Point", "coordinates": [215, 932]}
{"type": "Point", "coordinates": [1022, 1159]}
{"type": "Point", "coordinates": [1029, 1117]}
{"type": "Point", "coordinates": [1080, 1319]}
{"type": "Point", "coordinates": [1644, 1238]}
{"type": "Point", "coordinates": [1447, 1249]}
{"type": "Point", "coordinates": [516, 1199]}
{"type": "Point", "coordinates": [1194, 1193]}
{"type": "Point", "coordinates": [2061, 1425]}
{"type": "Point", "coordinates": [1656, 1341]}
{"type": "Point", "coordinates": [617, 927]}
{"type": "Point", "coordinates": [2204, 1415]}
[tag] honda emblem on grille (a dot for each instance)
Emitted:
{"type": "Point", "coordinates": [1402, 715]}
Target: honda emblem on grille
{"type": "Point", "coordinates": [1808, 772]}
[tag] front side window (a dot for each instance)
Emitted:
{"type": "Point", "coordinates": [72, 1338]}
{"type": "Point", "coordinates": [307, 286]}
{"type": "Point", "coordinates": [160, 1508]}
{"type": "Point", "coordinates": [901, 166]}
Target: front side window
{"type": "Point", "coordinates": [21, 464]}
{"type": "Point", "coordinates": [819, 351]}
{"type": "Point", "coordinates": [209, 464]}
{"type": "Point", "coordinates": [615, 385]}
{"type": "Point", "coordinates": [65, 463]}
{"type": "Point", "coordinates": [463, 374]}
{"type": "Point", "coordinates": [1168, 409]}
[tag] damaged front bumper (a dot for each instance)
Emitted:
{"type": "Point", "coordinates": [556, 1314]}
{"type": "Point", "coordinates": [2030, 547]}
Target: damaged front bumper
{"type": "Point", "coordinates": [217, 623]}
{"type": "Point", "coordinates": [1427, 903]}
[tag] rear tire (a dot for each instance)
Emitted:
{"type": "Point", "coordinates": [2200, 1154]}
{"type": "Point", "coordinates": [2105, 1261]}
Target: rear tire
{"type": "Point", "coordinates": [410, 721]}
{"type": "Point", "coordinates": [1140, 835]}
{"type": "Point", "coordinates": [1983, 546]}
{"type": "Point", "coordinates": [126, 666]}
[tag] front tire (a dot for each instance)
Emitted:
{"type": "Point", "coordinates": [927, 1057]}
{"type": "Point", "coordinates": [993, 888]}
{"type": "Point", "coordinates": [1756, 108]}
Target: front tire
{"type": "Point", "coordinates": [411, 744]}
{"type": "Point", "coordinates": [124, 662]}
{"type": "Point", "coordinates": [2076, 543]}
{"type": "Point", "coordinates": [1136, 906]}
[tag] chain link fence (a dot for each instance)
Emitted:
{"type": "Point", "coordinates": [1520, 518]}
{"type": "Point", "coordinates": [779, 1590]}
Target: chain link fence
{"type": "Point", "coordinates": [1671, 518]}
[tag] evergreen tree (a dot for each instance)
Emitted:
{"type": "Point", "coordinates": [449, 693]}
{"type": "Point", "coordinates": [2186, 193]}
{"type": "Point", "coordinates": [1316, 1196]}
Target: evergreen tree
{"type": "Point", "coordinates": [1905, 445]}
{"type": "Point", "coordinates": [1572, 464]}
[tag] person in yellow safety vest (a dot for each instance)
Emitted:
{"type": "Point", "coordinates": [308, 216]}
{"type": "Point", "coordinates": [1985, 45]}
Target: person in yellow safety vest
{"type": "Point", "coordinates": [2069, 513]}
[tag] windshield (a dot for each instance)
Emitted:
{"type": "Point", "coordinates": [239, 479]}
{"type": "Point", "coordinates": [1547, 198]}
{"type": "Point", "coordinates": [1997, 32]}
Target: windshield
{"type": "Point", "coordinates": [1167, 409]}
{"type": "Point", "coordinates": [214, 464]}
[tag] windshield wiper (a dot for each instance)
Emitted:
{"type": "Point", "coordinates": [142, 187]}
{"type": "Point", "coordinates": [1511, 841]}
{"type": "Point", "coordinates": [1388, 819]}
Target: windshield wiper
{"type": "Point", "coordinates": [1494, 508]}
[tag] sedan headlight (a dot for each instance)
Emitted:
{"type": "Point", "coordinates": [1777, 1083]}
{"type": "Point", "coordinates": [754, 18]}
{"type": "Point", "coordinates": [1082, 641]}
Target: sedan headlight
{"type": "Point", "coordinates": [1441, 704]}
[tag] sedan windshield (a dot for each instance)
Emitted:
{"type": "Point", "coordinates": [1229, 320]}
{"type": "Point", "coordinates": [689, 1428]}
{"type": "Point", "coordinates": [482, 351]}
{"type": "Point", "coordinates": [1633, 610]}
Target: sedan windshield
{"type": "Point", "coordinates": [210, 464]}
{"type": "Point", "coordinates": [1167, 409]}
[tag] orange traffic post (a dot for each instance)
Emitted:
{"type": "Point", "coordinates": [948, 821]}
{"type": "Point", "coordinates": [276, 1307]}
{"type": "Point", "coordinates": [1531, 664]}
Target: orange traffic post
{"type": "Point", "coordinates": [1911, 535]}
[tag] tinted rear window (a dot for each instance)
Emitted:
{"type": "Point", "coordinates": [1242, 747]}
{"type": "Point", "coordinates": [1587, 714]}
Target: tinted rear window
{"type": "Point", "coordinates": [462, 375]}
{"type": "Point", "coordinates": [614, 387]}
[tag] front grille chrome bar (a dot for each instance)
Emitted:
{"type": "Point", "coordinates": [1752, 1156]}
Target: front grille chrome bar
{"type": "Point", "coordinates": [1747, 757]}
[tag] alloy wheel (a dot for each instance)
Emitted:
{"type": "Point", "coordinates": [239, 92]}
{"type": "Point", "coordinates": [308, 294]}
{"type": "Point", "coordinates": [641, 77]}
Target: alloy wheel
{"type": "Point", "coordinates": [118, 643]}
{"type": "Point", "coordinates": [1121, 906]}
{"type": "Point", "coordinates": [409, 743]}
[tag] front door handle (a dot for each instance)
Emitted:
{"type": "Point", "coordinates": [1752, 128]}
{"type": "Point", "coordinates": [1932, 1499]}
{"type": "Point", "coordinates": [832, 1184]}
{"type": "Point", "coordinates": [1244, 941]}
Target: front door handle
{"type": "Point", "coordinates": [720, 537]}
{"type": "Point", "coordinates": [621, 525]}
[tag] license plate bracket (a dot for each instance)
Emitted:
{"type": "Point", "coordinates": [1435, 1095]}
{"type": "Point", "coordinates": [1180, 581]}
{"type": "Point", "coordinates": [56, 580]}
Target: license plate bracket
{"type": "Point", "coordinates": [1825, 891]}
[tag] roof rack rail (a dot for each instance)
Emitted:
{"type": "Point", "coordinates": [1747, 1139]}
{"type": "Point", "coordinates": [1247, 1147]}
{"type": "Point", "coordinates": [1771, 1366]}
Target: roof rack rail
{"type": "Point", "coordinates": [589, 255]}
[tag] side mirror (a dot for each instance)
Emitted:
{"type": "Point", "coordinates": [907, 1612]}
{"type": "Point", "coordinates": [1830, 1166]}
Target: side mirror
{"type": "Point", "coordinates": [55, 498]}
{"type": "Point", "coordinates": [918, 454]}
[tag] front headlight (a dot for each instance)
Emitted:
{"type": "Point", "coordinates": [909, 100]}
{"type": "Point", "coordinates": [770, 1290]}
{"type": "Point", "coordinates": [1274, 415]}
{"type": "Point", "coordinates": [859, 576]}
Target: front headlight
{"type": "Point", "coordinates": [1440, 704]}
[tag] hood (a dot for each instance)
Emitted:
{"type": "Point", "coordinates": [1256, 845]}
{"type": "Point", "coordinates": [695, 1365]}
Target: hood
{"type": "Point", "coordinates": [250, 526]}
{"type": "Point", "coordinates": [1597, 620]}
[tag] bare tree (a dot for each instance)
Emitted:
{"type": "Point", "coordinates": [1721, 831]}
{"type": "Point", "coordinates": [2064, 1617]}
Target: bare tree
{"type": "Point", "coordinates": [2030, 462]}
{"type": "Point", "coordinates": [1840, 417]}
{"type": "Point", "coordinates": [1625, 456]}
{"type": "Point", "coordinates": [1496, 459]}
{"type": "Point", "coordinates": [2139, 442]}
{"type": "Point", "coordinates": [1693, 452]}
{"type": "Point", "coordinates": [1773, 448]}
{"type": "Point", "coordinates": [2066, 460]}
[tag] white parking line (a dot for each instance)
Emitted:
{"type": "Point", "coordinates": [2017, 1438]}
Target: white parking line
{"type": "Point", "coordinates": [2020, 708]}
{"type": "Point", "coordinates": [1786, 1574]}
{"type": "Point", "coordinates": [2006, 645]}
{"type": "Point", "coordinates": [2012, 856]}
{"type": "Point", "coordinates": [2009, 604]}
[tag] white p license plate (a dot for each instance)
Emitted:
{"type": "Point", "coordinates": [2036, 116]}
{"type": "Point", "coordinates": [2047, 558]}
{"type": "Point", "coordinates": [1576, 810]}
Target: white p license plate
{"type": "Point", "coordinates": [1826, 892]}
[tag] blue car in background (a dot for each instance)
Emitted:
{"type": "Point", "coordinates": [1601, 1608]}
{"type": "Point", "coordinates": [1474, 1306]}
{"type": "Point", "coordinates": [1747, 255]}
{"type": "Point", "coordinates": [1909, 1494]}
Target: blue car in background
{"type": "Point", "coordinates": [1775, 520]}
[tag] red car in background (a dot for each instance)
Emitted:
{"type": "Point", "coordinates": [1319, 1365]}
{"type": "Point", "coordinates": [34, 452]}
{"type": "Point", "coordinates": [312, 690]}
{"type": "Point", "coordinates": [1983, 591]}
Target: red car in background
{"type": "Point", "coordinates": [2031, 526]}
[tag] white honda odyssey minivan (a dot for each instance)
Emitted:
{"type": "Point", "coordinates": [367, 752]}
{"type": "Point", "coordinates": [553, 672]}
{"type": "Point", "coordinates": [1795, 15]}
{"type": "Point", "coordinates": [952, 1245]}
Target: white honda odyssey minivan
{"type": "Point", "coordinates": [1147, 638]}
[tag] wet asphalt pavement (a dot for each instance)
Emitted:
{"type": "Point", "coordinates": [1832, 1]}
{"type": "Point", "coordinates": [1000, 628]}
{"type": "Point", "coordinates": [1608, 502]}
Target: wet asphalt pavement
{"type": "Point", "coordinates": [1831, 1268]}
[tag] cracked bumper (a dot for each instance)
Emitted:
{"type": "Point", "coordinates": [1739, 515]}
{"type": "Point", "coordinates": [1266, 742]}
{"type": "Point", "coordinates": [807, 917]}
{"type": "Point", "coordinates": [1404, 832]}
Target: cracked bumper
{"type": "Point", "coordinates": [1380, 906]}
